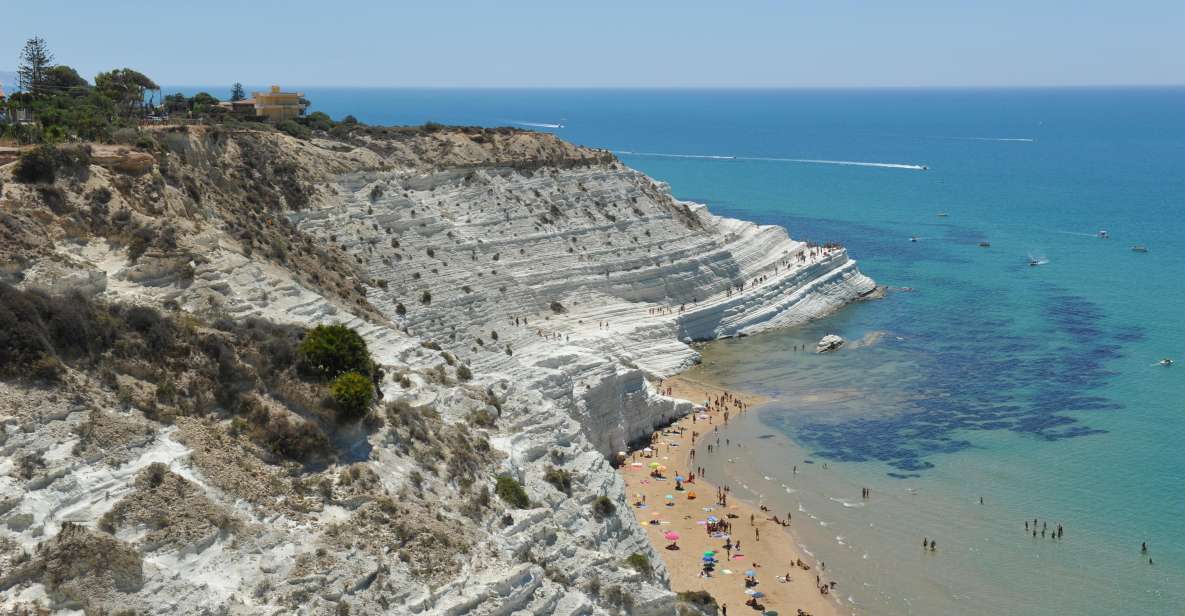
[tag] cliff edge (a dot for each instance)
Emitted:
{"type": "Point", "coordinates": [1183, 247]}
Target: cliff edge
{"type": "Point", "coordinates": [518, 295]}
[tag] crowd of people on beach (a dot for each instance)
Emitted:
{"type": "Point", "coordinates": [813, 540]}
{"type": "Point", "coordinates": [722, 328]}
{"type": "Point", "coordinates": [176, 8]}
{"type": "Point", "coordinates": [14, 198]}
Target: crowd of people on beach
{"type": "Point", "coordinates": [716, 411]}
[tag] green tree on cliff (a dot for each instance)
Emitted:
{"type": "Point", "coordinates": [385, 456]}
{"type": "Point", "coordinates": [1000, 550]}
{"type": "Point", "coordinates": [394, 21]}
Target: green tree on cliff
{"type": "Point", "coordinates": [35, 61]}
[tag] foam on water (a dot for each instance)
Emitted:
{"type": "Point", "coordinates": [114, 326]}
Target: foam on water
{"type": "Point", "coordinates": [774, 159]}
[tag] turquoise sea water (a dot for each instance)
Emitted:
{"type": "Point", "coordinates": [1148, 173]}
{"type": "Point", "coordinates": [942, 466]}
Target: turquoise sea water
{"type": "Point", "coordinates": [1034, 387]}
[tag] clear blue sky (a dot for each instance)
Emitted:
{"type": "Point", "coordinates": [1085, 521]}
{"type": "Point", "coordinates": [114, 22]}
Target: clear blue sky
{"type": "Point", "coordinates": [614, 43]}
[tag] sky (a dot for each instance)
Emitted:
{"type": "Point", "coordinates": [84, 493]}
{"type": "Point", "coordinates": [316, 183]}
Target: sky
{"type": "Point", "coordinates": [612, 43]}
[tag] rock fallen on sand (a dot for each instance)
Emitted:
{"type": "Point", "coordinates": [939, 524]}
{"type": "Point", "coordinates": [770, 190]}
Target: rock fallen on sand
{"type": "Point", "coordinates": [830, 342]}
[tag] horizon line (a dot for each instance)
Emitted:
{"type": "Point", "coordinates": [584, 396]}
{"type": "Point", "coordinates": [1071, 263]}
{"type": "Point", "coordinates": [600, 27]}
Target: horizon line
{"type": "Point", "coordinates": [1113, 86]}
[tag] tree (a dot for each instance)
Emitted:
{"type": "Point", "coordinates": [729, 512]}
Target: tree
{"type": "Point", "coordinates": [176, 103]}
{"type": "Point", "coordinates": [34, 62]}
{"type": "Point", "coordinates": [237, 93]}
{"type": "Point", "coordinates": [330, 350]}
{"type": "Point", "coordinates": [352, 394]}
{"type": "Point", "coordinates": [62, 78]}
{"type": "Point", "coordinates": [126, 87]}
{"type": "Point", "coordinates": [202, 102]}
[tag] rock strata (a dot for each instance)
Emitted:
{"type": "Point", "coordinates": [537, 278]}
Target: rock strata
{"type": "Point", "coordinates": [519, 294]}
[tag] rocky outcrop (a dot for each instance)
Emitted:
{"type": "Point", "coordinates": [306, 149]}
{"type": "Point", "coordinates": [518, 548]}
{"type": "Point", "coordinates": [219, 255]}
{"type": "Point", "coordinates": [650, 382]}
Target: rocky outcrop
{"type": "Point", "coordinates": [829, 343]}
{"type": "Point", "coordinates": [516, 290]}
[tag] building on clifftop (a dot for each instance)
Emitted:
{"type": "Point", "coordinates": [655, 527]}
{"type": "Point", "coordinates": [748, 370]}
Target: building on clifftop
{"type": "Point", "coordinates": [274, 105]}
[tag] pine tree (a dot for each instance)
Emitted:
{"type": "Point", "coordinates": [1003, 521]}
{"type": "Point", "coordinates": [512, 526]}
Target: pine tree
{"type": "Point", "coordinates": [35, 62]}
{"type": "Point", "coordinates": [237, 93]}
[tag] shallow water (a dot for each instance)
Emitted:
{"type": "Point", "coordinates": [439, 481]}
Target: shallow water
{"type": "Point", "coordinates": [1033, 387]}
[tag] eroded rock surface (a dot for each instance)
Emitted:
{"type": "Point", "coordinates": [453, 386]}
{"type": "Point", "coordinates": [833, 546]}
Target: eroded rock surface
{"type": "Point", "coordinates": [519, 293]}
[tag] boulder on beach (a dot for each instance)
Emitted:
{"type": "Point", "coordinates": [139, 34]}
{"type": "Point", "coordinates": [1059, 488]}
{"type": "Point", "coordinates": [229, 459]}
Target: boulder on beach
{"type": "Point", "coordinates": [830, 342]}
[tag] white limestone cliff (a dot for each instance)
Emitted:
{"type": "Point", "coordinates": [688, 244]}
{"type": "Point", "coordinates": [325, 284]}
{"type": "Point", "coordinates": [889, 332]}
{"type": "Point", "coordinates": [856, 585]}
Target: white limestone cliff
{"type": "Point", "coordinates": [566, 288]}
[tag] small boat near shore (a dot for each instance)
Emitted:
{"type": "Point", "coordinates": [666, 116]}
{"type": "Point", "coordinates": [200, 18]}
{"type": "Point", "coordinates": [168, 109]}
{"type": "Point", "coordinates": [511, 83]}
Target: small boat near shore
{"type": "Point", "coordinates": [1103, 235]}
{"type": "Point", "coordinates": [1166, 362]}
{"type": "Point", "coordinates": [1139, 248]}
{"type": "Point", "coordinates": [985, 244]}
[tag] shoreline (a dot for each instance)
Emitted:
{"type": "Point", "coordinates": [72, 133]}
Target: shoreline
{"type": "Point", "coordinates": [770, 557]}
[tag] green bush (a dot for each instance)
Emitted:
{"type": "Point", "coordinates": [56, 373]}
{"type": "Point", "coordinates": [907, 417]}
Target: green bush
{"type": "Point", "coordinates": [352, 394]}
{"type": "Point", "coordinates": [330, 350]}
{"type": "Point", "coordinates": [294, 129]}
{"type": "Point", "coordinates": [560, 478]}
{"type": "Point", "coordinates": [603, 507]}
{"type": "Point", "coordinates": [640, 563]}
{"type": "Point", "coordinates": [36, 166]}
{"type": "Point", "coordinates": [512, 492]}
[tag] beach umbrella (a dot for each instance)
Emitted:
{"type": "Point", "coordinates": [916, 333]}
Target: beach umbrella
{"type": "Point", "coordinates": [671, 535]}
{"type": "Point", "coordinates": [680, 478]}
{"type": "Point", "coordinates": [655, 465]}
{"type": "Point", "coordinates": [709, 559]}
{"type": "Point", "coordinates": [710, 553]}
{"type": "Point", "coordinates": [713, 519]}
{"type": "Point", "coordinates": [669, 497]}
{"type": "Point", "coordinates": [751, 573]}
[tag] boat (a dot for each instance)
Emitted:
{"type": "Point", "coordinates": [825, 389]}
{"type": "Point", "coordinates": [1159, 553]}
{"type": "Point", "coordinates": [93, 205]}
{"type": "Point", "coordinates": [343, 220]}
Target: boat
{"type": "Point", "coordinates": [913, 238]}
{"type": "Point", "coordinates": [943, 214]}
{"type": "Point", "coordinates": [1139, 248]}
{"type": "Point", "coordinates": [1103, 235]}
{"type": "Point", "coordinates": [985, 244]}
{"type": "Point", "coordinates": [1166, 362]}
{"type": "Point", "coordinates": [1034, 262]}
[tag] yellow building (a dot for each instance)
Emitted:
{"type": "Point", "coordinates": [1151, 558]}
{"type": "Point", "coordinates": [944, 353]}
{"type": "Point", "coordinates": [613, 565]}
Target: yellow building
{"type": "Point", "coordinates": [278, 106]}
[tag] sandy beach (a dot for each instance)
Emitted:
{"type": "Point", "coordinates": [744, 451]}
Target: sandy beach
{"type": "Point", "coordinates": [770, 558]}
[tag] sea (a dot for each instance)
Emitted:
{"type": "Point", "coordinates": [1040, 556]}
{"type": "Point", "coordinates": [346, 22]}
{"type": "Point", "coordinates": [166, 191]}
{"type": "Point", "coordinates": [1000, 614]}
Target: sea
{"type": "Point", "coordinates": [1015, 358]}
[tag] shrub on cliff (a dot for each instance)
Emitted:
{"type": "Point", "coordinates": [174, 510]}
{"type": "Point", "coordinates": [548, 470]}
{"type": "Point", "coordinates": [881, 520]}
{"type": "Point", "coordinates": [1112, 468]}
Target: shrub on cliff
{"type": "Point", "coordinates": [36, 166]}
{"type": "Point", "coordinates": [47, 163]}
{"type": "Point", "coordinates": [352, 394]}
{"type": "Point", "coordinates": [603, 507]}
{"type": "Point", "coordinates": [512, 492]}
{"type": "Point", "coordinates": [294, 129]}
{"type": "Point", "coordinates": [330, 350]}
{"type": "Point", "coordinates": [640, 563]}
{"type": "Point", "coordinates": [560, 478]}
{"type": "Point", "coordinates": [701, 599]}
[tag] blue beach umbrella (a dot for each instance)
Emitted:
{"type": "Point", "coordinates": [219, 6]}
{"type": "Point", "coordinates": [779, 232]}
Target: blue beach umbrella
{"type": "Point", "coordinates": [751, 573]}
{"type": "Point", "coordinates": [713, 519]}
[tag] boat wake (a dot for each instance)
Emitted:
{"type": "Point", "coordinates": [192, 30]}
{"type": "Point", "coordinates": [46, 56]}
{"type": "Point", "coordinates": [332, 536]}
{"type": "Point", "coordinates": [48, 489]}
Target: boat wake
{"type": "Point", "coordinates": [809, 161]}
{"type": "Point", "coordinates": [845, 503]}
{"type": "Point", "coordinates": [537, 124]}
{"type": "Point", "coordinates": [997, 139]}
